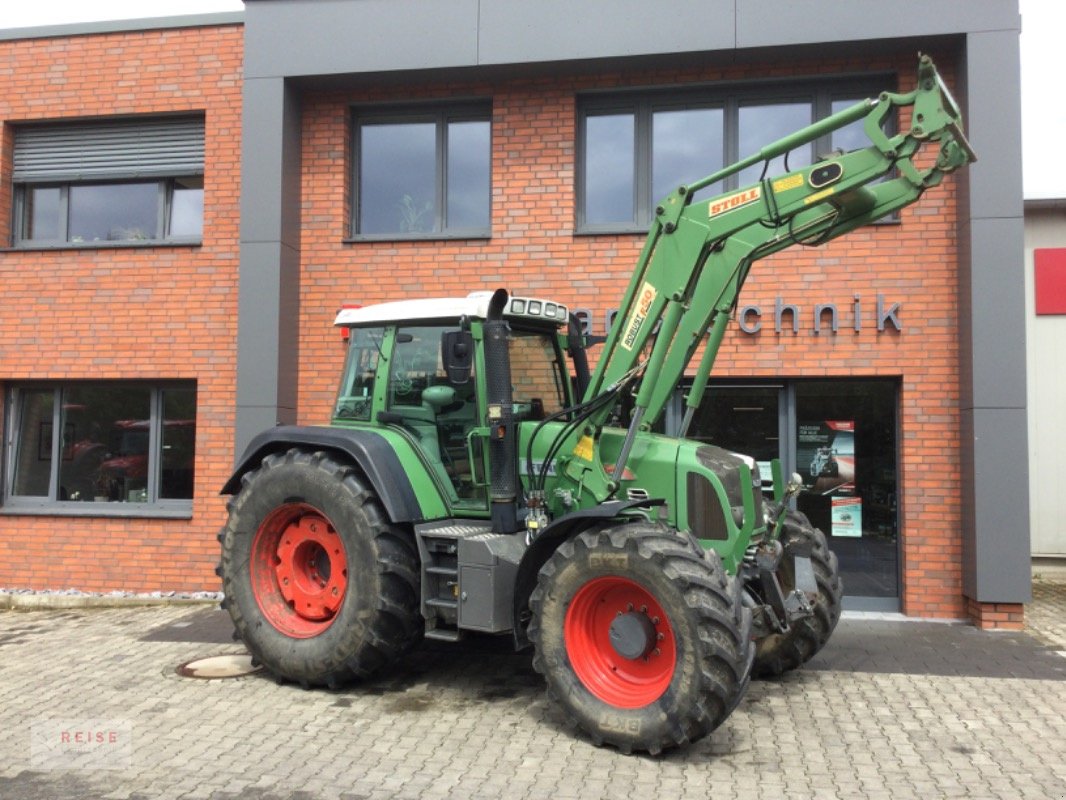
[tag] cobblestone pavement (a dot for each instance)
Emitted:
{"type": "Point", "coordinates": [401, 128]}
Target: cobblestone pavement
{"type": "Point", "coordinates": [889, 709]}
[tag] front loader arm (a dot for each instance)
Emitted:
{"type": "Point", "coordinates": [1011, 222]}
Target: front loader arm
{"type": "Point", "coordinates": [698, 254]}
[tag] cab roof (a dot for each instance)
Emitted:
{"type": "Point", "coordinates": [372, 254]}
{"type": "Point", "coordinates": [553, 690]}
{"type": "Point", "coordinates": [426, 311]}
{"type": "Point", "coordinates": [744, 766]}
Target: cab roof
{"type": "Point", "coordinates": [474, 306]}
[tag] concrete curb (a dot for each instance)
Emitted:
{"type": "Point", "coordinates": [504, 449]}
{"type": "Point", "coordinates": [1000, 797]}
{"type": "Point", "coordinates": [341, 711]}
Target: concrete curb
{"type": "Point", "coordinates": [10, 601]}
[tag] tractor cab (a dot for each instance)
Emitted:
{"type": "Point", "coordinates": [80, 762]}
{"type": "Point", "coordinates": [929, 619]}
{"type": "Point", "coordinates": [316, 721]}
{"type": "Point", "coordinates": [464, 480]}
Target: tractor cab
{"type": "Point", "coordinates": [419, 368]}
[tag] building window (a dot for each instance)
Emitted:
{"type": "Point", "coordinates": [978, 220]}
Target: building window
{"type": "Point", "coordinates": [100, 448]}
{"type": "Point", "coordinates": [422, 173]}
{"type": "Point", "coordinates": [102, 184]}
{"type": "Point", "coordinates": [634, 149]}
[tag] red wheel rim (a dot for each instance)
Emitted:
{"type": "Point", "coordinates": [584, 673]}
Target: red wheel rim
{"type": "Point", "coordinates": [616, 680]}
{"type": "Point", "coordinates": [299, 570]}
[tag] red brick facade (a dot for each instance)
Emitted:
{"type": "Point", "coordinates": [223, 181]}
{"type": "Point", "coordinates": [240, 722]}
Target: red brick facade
{"type": "Point", "coordinates": [151, 313]}
{"type": "Point", "coordinates": [166, 313]}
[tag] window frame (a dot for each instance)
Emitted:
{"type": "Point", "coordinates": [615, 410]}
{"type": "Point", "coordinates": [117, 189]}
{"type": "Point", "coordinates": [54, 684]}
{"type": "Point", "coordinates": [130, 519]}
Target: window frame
{"type": "Point", "coordinates": [153, 506]}
{"type": "Point", "coordinates": [440, 115]}
{"type": "Point", "coordinates": [164, 188]}
{"type": "Point", "coordinates": [164, 150]}
{"type": "Point", "coordinates": [820, 93]}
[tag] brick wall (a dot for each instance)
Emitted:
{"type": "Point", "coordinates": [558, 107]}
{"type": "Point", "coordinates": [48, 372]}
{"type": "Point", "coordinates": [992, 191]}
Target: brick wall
{"type": "Point", "coordinates": [534, 250]}
{"type": "Point", "coordinates": [155, 313]}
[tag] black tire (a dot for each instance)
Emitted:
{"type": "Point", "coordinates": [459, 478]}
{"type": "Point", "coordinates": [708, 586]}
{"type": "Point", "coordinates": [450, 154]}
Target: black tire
{"type": "Point", "coordinates": [363, 581]}
{"type": "Point", "coordinates": [778, 653]}
{"type": "Point", "coordinates": [702, 676]}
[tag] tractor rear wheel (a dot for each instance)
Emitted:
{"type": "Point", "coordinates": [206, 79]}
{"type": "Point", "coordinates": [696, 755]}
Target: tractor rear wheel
{"type": "Point", "coordinates": [782, 652]}
{"type": "Point", "coordinates": [641, 636]}
{"type": "Point", "coordinates": [320, 587]}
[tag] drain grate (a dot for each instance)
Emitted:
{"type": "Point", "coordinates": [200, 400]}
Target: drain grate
{"type": "Point", "coordinates": [214, 667]}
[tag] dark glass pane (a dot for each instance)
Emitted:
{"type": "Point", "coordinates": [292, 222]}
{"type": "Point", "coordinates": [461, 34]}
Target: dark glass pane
{"type": "Point", "coordinates": [686, 146]}
{"type": "Point", "coordinates": [42, 213]}
{"type": "Point", "coordinates": [179, 444]}
{"type": "Point", "coordinates": [397, 178]}
{"type": "Point", "coordinates": [469, 151]}
{"type": "Point", "coordinates": [762, 125]}
{"type": "Point", "coordinates": [846, 453]}
{"type": "Point", "coordinates": [120, 212]}
{"type": "Point", "coordinates": [33, 443]}
{"type": "Point", "coordinates": [609, 168]}
{"type": "Point", "coordinates": [850, 137]}
{"type": "Point", "coordinates": [357, 388]}
{"type": "Point", "coordinates": [187, 208]}
{"type": "Point", "coordinates": [106, 433]}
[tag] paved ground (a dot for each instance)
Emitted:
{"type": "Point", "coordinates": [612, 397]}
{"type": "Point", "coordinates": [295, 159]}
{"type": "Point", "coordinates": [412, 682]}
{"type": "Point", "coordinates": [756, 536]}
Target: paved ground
{"type": "Point", "coordinates": [889, 709]}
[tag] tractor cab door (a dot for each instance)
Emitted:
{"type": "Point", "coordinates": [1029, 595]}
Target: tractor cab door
{"type": "Point", "coordinates": [438, 407]}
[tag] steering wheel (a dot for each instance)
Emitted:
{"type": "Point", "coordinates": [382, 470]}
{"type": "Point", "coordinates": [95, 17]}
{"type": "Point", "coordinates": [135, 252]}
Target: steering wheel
{"type": "Point", "coordinates": [401, 383]}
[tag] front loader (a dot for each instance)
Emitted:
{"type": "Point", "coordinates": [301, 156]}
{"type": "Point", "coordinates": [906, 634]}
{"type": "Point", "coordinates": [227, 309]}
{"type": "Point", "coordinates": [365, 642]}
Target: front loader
{"type": "Point", "coordinates": [476, 477]}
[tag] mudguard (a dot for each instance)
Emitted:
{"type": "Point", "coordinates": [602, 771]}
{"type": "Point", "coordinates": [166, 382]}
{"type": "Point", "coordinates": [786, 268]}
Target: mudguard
{"type": "Point", "coordinates": [367, 449]}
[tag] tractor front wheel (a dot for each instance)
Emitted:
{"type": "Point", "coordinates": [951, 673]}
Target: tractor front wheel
{"type": "Point", "coordinates": [641, 636]}
{"type": "Point", "coordinates": [320, 587]}
{"type": "Point", "coordinates": [782, 652]}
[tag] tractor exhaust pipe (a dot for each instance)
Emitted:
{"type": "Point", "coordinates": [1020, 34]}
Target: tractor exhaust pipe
{"type": "Point", "coordinates": [503, 479]}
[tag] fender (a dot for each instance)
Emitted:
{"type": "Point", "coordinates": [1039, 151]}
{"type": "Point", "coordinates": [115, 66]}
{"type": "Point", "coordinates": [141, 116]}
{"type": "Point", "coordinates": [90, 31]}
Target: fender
{"type": "Point", "coordinates": [369, 450]}
{"type": "Point", "coordinates": [546, 543]}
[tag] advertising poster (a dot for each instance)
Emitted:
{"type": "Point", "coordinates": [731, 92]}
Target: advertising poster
{"type": "Point", "coordinates": [826, 458]}
{"type": "Point", "coordinates": [847, 516]}
{"type": "Point", "coordinates": [825, 455]}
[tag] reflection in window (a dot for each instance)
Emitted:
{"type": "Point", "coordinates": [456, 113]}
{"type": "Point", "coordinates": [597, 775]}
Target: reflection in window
{"type": "Point", "coordinates": [609, 168]}
{"type": "Point", "coordinates": [850, 137]}
{"type": "Point", "coordinates": [687, 144]}
{"type": "Point", "coordinates": [33, 443]}
{"type": "Point", "coordinates": [424, 175]}
{"type": "Point", "coordinates": [179, 443]}
{"type": "Point", "coordinates": [760, 125]}
{"type": "Point", "coordinates": [469, 154]}
{"type": "Point", "coordinates": [357, 387]}
{"type": "Point", "coordinates": [98, 213]}
{"type": "Point", "coordinates": [536, 373]}
{"type": "Point", "coordinates": [103, 443]}
{"type": "Point", "coordinates": [42, 213]}
{"type": "Point", "coordinates": [397, 168]}
{"type": "Point", "coordinates": [187, 208]}
{"type": "Point", "coordinates": [115, 212]}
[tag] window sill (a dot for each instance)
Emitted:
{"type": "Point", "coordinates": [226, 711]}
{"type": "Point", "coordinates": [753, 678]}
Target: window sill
{"type": "Point", "coordinates": [421, 237]}
{"type": "Point", "coordinates": [608, 230]}
{"type": "Point", "coordinates": [98, 510]}
{"type": "Point", "coordinates": [43, 246]}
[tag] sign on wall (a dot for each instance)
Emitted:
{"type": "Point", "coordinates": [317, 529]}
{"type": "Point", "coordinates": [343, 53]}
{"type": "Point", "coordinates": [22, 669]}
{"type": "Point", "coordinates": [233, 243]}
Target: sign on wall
{"type": "Point", "coordinates": [1050, 280]}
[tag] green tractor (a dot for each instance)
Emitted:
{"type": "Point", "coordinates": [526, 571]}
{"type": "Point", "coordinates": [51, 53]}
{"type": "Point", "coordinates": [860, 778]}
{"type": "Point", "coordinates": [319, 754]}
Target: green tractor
{"type": "Point", "coordinates": [478, 478]}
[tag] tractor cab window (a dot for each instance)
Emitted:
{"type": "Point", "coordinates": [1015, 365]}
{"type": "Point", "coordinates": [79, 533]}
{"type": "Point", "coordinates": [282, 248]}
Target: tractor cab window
{"type": "Point", "coordinates": [357, 385]}
{"type": "Point", "coordinates": [437, 412]}
{"type": "Point", "coordinates": [537, 374]}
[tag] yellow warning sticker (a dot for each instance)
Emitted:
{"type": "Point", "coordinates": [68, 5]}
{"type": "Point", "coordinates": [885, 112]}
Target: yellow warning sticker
{"type": "Point", "coordinates": [585, 448]}
{"type": "Point", "coordinates": [814, 198]}
{"type": "Point", "coordinates": [788, 182]}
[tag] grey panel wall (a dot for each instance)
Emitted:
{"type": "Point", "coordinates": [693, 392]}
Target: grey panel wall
{"type": "Point", "coordinates": [269, 290]}
{"type": "Point", "coordinates": [994, 453]}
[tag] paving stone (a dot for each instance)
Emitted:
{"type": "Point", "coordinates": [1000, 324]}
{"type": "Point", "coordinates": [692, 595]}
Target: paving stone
{"type": "Point", "coordinates": [888, 709]}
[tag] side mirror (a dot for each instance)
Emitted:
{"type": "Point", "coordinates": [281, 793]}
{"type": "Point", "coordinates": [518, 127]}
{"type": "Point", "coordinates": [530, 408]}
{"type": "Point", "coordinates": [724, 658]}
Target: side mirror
{"type": "Point", "coordinates": [457, 356]}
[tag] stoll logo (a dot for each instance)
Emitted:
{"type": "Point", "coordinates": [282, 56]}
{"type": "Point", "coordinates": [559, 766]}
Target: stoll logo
{"type": "Point", "coordinates": [87, 744]}
{"type": "Point", "coordinates": [734, 201]}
